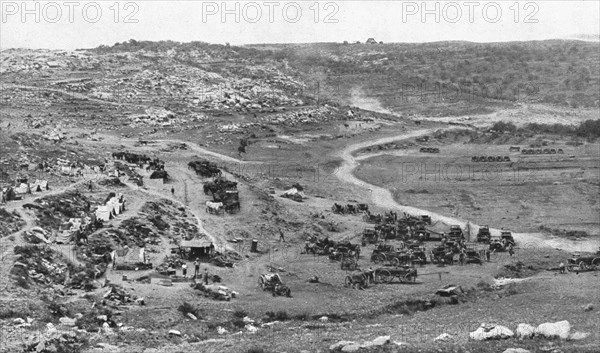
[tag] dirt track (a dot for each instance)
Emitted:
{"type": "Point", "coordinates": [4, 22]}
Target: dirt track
{"type": "Point", "coordinates": [383, 198]}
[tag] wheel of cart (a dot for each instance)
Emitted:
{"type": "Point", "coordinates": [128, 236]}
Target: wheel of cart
{"type": "Point", "coordinates": [408, 278]}
{"type": "Point", "coordinates": [380, 258]}
{"type": "Point", "coordinates": [595, 264]}
{"type": "Point", "coordinates": [384, 276]}
{"type": "Point", "coordinates": [261, 283]}
{"type": "Point", "coordinates": [583, 266]}
{"type": "Point", "coordinates": [348, 281]}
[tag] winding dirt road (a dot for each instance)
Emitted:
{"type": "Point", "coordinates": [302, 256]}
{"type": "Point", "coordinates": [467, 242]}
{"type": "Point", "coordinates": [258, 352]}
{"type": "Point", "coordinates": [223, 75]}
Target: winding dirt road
{"type": "Point", "coordinates": [383, 198]}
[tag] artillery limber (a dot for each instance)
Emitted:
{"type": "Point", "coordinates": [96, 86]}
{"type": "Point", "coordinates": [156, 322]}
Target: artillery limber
{"type": "Point", "coordinates": [442, 255]}
{"type": "Point", "coordinates": [584, 263]}
{"type": "Point", "coordinates": [273, 283]}
{"type": "Point", "coordinates": [344, 251]}
{"type": "Point", "coordinates": [357, 278]}
{"type": "Point", "coordinates": [472, 256]}
{"type": "Point", "coordinates": [406, 274]}
{"type": "Point", "coordinates": [484, 235]}
{"type": "Point", "coordinates": [502, 243]}
{"type": "Point", "coordinates": [369, 236]}
{"type": "Point", "coordinates": [372, 218]}
{"type": "Point", "coordinates": [386, 254]}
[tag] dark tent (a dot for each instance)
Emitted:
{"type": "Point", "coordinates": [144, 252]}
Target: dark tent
{"type": "Point", "coordinates": [159, 174]}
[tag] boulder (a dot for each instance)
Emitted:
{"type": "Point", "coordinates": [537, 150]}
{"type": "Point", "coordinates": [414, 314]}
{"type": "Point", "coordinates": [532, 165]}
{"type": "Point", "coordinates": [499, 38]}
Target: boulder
{"type": "Point", "coordinates": [491, 332]}
{"type": "Point", "coordinates": [102, 318]}
{"type": "Point", "coordinates": [588, 307]}
{"type": "Point", "coordinates": [323, 319]}
{"type": "Point", "coordinates": [576, 336]}
{"type": "Point", "coordinates": [174, 333]}
{"type": "Point", "coordinates": [192, 316]}
{"type": "Point", "coordinates": [51, 329]}
{"type": "Point", "coordinates": [18, 321]}
{"type": "Point", "coordinates": [443, 337]}
{"type": "Point", "coordinates": [107, 329]}
{"type": "Point", "coordinates": [340, 344]}
{"type": "Point", "coordinates": [559, 329]}
{"type": "Point", "coordinates": [525, 331]}
{"type": "Point", "coordinates": [221, 330]}
{"type": "Point", "coordinates": [247, 320]}
{"type": "Point", "coordinates": [250, 328]}
{"type": "Point", "coordinates": [67, 321]}
{"type": "Point", "coordinates": [516, 350]}
{"type": "Point", "coordinates": [379, 341]}
{"type": "Point", "coordinates": [351, 348]}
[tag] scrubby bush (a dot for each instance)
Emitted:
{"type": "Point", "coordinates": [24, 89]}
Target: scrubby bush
{"type": "Point", "coordinates": [240, 313]}
{"type": "Point", "coordinates": [186, 308]}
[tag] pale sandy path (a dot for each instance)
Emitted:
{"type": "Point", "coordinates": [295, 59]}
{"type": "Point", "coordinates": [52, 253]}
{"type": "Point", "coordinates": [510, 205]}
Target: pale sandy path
{"type": "Point", "coordinates": [383, 198]}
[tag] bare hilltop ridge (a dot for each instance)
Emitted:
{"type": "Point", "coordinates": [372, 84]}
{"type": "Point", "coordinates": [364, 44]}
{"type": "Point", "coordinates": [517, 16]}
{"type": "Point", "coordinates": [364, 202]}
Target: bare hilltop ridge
{"type": "Point", "coordinates": [355, 197]}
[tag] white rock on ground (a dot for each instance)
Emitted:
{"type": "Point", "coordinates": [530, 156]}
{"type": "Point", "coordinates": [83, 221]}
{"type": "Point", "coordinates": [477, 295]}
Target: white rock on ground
{"type": "Point", "coordinates": [576, 336]}
{"type": "Point", "coordinates": [323, 319]}
{"type": "Point", "coordinates": [351, 348]}
{"type": "Point", "coordinates": [559, 329]}
{"type": "Point", "coordinates": [525, 331]}
{"type": "Point", "coordinates": [443, 337]}
{"type": "Point", "coordinates": [109, 331]}
{"type": "Point", "coordinates": [379, 341]}
{"type": "Point", "coordinates": [247, 320]}
{"type": "Point", "coordinates": [67, 321]}
{"type": "Point", "coordinates": [516, 350]}
{"type": "Point", "coordinates": [340, 344]}
{"type": "Point", "coordinates": [51, 329]}
{"type": "Point", "coordinates": [192, 316]}
{"type": "Point", "coordinates": [174, 332]}
{"type": "Point", "coordinates": [490, 332]}
{"type": "Point", "coordinates": [221, 330]}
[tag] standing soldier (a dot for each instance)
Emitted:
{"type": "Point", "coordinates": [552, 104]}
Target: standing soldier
{"type": "Point", "coordinates": [206, 276]}
{"type": "Point", "coordinates": [281, 237]}
{"type": "Point", "coordinates": [184, 269]}
{"type": "Point", "coordinates": [172, 190]}
{"type": "Point", "coordinates": [196, 268]}
{"type": "Point", "coordinates": [561, 267]}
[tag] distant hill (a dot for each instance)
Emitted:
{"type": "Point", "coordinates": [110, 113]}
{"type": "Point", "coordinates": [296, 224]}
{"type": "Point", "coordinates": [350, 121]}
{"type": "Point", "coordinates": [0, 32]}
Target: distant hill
{"type": "Point", "coordinates": [585, 37]}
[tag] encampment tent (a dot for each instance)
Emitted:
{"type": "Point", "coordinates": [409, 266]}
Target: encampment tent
{"type": "Point", "coordinates": [8, 194]}
{"type": "Point", "coordinates": [293, 192]}
{"type": "Point", "coordinates": [39, 185]}
{"type": "Point", "coordinates": [23, 189]}
{"type": "Point", "coordinates": [64, 237]}
{"type": "Point", "coordinates": [104, 213]}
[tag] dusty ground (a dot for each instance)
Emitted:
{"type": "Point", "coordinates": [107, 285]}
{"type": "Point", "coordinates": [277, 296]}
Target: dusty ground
{"type": "Point", "coordinates": [335, 160]}
{"type": "Point", "coordinates": [530, 192]}
{"type": "Point", "coordinates": [371, 312]}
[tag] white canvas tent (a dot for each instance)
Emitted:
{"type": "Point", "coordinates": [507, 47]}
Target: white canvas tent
{"type": "Point", "coordinates": [293, 192]}
{"type": "Point", "coordinates": [64, 237]}
{"type": "Point", "coordinates": [23, 189]}
{"type": "Point", "coordinates": [104, 213]}
{"type": "Point", "coordinates": [116, 206]}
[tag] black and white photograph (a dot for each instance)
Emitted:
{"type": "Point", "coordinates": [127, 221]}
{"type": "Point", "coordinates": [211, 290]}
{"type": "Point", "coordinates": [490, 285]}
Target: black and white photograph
{"type": "Point", "coordinates": [299, 176]}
